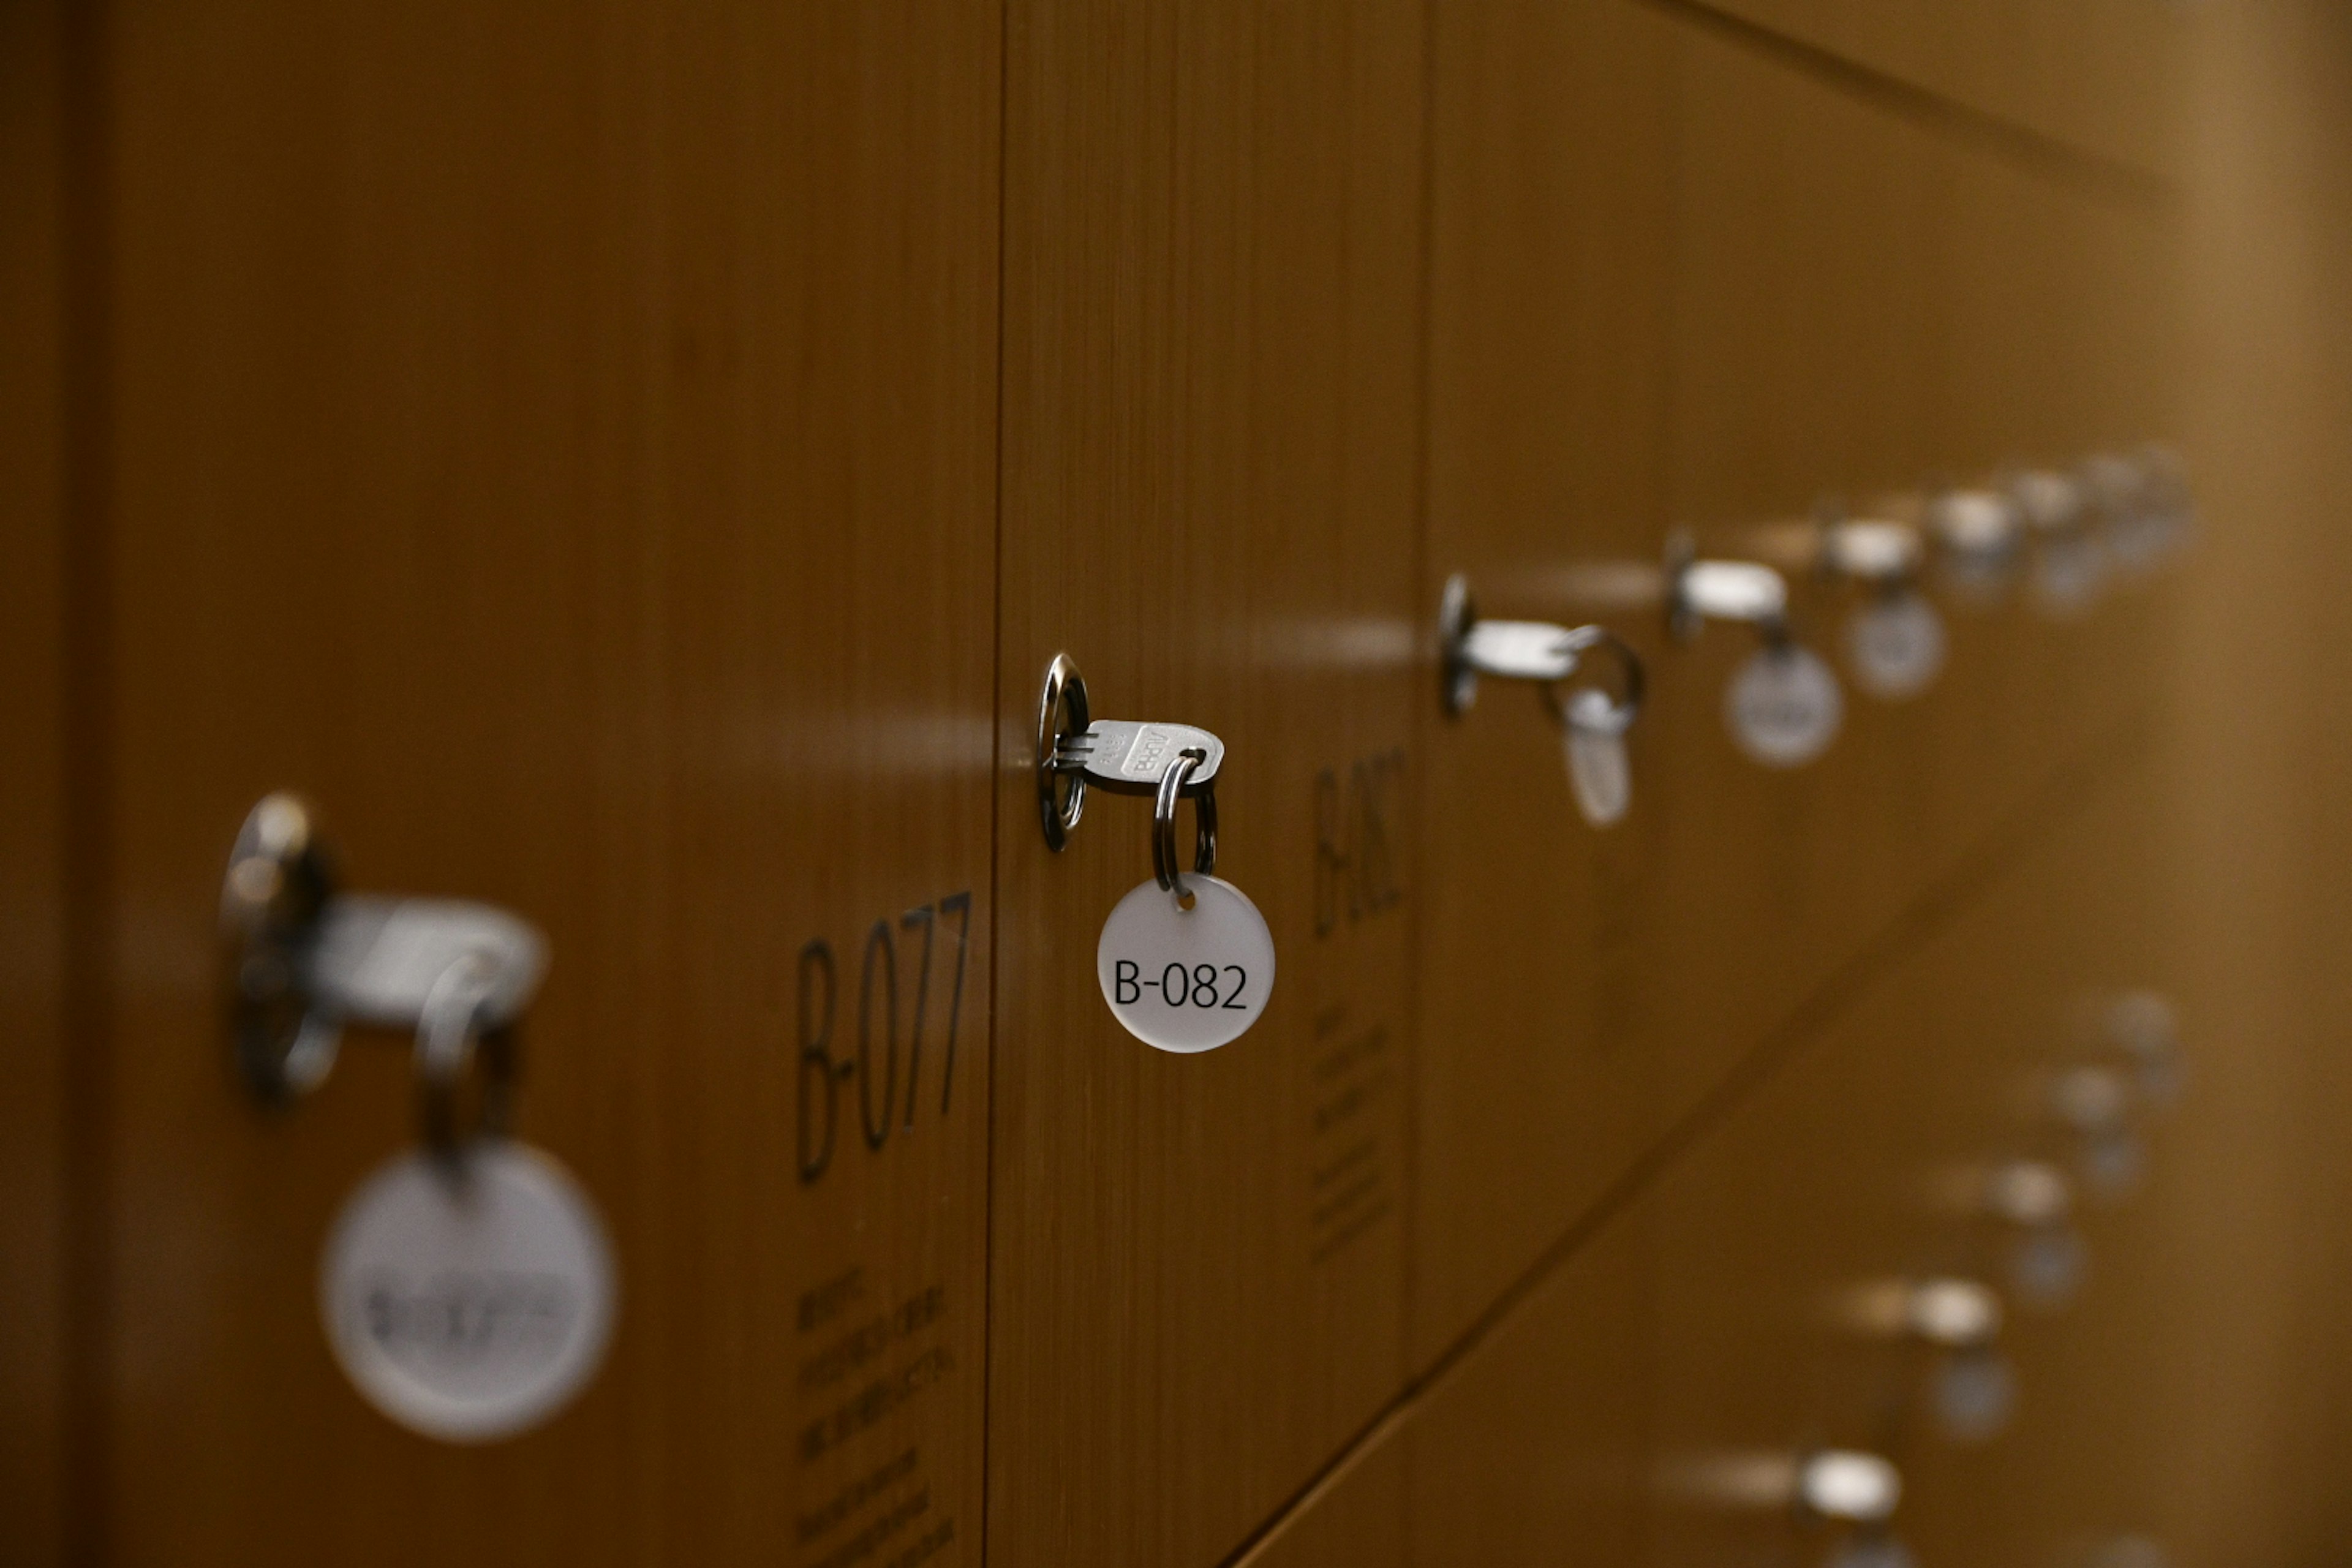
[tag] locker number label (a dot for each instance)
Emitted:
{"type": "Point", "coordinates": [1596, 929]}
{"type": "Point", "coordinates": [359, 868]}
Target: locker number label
{"type": "Point", "coordinates": [1186, 980]}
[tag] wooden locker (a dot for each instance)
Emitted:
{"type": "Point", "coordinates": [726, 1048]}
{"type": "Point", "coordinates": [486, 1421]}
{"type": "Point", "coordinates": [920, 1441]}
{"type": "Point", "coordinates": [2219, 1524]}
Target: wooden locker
{"type": "Point", "coordinates": [561, 443]}
{"type": "Point", "coordinates": [1859, 1161]}
{"type": "Point", "coordinates": [1534, 1447]}
{"type": "Point", "coordinates": [1355, 1517]}
{"type": "Point", "coordinates": [1530, 1445]}
{"type": "Point", "coordinates": [2029, 986]}
{"type": "Point", "coordinates": [1212, 252]}
{"type": "Point", "coordinates": [2100, 84]}
{"type": "Point", "coordinates": [1802, 307]}
{"type": "Point", "coordinates": [1551, 261]}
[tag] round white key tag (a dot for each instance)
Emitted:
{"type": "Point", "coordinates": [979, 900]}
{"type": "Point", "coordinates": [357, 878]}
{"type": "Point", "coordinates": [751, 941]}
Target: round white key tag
{"type": "Point", "coordinates": [1783, 707]}
{"type": "Point", "coordinates": [2047, 1266]}
{"type": "Point", "coordinates": [1974, 1393]}
{"type": "Point", "coordinates": [1599, 775]}
{"type": "Point", "coordinates": [2068, 575]}
{"type": "Point", "coordinates": [468, 1306]}
{"type": "Point", "coordinates": [1896, 643]}
{"type": "Point", "coordinates": [1186, 980]}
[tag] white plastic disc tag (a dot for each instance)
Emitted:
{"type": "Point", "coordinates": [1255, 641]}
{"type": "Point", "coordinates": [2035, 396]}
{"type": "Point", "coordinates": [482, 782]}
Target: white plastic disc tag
{"type": "Point", "coordinates": [2068, 574]}
{"type": "Point", "coordinates": [2113, 1164]}
{"type": "Point", "coordinates": [2047, 1266]}
{"type": "Point", "coordinates": [469, 1307]}
{"type": "Point", "coordinates": [1783, 707]}
{"type": "Point", "coordinates": [1974, 1393]}
{"type": "Point", "coordinates": [1896, 643]}
{"type": "Point", "coordinates": [1599, 773]}
{"type": "Point", "coordinates": [1186, 980]}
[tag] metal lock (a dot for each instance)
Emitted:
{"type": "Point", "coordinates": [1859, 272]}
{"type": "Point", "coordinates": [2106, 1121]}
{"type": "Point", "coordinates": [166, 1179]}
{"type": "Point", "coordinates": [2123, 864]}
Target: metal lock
{"type": "Point", "coordinates": [1594, 717]}
{"type": "Point", "coordinates": [1076, 751]}
{"type": "Point", "coordinates": [303, 960]}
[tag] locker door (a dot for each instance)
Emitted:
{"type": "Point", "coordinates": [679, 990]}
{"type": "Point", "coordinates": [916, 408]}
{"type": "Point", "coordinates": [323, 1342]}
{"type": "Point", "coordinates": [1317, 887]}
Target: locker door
{"type": "Point", "coordinates": [1529, 1445]}
{"type": "Point", "coordinates": [2034, 984]}
{"type": "Point", "coordinates": [1803, 303]}
{"type": "Point", "coordinates": [560, 445]}
{"type": "Point", "coordinates": [1842, 293]}
{"type": "Point", "coordinates": [1535, 1447]}
{"type": "Point", "coordinates": [1551, 258]}
{"type": "Point", "coordinates": [1211, 427]}
{"type": "Point", "coordinates": [1859, 1166]}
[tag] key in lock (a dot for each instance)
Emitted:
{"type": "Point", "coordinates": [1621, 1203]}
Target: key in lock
{"type": "Point", "coordinates": [1126, 757]}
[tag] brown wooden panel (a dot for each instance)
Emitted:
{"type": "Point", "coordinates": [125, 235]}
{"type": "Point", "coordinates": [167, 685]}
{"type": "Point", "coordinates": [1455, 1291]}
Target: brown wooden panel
{"type": "Point", "coordinates": [1704, 288]}
{"type": "Point", "coordinates": [1535, 1448]}
{"type": "Point", "coordinates": [562, 444]}
{"type": "Point", "coordinates": [1211, 419]}
{"type": "Point", "coordinates": [1551, 253]}
{"type": "Point", "coordinates": [33, 1092]}
{"type": "Point", "coordinates": [1802, 304]}
{"type": "Point", "coordinates": [2107, 77]}
{"type": "Point", "coordinates": [2022, 988]}
{"type": "Point", "coordinates": [1354, 1518]}
{"type": "Point", "coordinates": [1854, 1164]}
{"type": "Point", "coordinates": [1841, 288]}
{"type": "Point", "coordinates": [1532, 1447]}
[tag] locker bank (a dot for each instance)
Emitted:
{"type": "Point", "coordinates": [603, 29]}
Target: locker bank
{"type": "Point", "coordinates": [1168, 784]}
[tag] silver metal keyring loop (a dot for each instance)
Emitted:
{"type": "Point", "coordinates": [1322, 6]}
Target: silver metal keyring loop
{"type": "Point", "coordinates": [1061, 714]}
{"type": "Point", "coordinates": [450, 1040]}
{"type": "Point", "coordinates": [1164, 863]}
{"type": "Point", "coordinates": [1632, 683]}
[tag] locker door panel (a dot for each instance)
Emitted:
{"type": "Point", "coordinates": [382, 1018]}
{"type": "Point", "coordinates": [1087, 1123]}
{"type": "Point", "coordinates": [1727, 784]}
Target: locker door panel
{"type": "Point", "coordinates": [1355, 1518]}
{"type": "Point", "coordinates": [2027, 986]}
{"type": "Point", "coordinates": [1551, 258]}
{"type": "Point", "coordinates": [1535, 1447]}
{"type": "Point", "coordinates": [1804, 304]}
{"type": "Point", "coordinates": [1530, 1447]}
{"type": "Point", "coordinates": [1212, 252]}
{"type": "Point", "coordinates": [1860, 1162]}
{"type": "Point", "coordinates": [1845, 282]}
{"type": "Point", "coordinates": [561, 446]}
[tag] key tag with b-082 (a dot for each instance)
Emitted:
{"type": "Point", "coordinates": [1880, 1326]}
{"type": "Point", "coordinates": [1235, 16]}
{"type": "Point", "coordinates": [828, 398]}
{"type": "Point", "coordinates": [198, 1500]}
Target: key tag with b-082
{"type": "Point", "coordinates": [1186, 979]}
{"type": "Point", "coordinates": [1185, 961]}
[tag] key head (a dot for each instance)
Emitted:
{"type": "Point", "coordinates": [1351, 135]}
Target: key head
{"type": "Point", "coordinates": [1129, 758]}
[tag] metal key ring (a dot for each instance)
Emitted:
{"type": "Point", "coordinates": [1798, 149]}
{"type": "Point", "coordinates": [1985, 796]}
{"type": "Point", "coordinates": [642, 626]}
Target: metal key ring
{"type": "Point", "coordinates": [1632, 683]}
{"type": "Point", "coordinates": [449, 1041]}
{"type": "Point", "coordinates": [1061, 712]}
{"type": "Point", "coordinates": [1163, 826]}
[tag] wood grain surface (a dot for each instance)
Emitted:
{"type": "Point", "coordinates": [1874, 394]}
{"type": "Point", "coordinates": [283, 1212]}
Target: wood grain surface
{"type": "Point", "coordinates": [1211, 330]}
{"type": "Point", "coordinates": [562, 444]}
{"type": "Point", "coordinates": [1552, 247]}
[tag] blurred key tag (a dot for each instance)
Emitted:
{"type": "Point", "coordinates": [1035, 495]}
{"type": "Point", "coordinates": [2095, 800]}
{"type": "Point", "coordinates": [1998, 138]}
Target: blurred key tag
{"type": "Point", "coordinates": [468, 1300]}
{"type": "Point", "coordinates": [2046, 1267]}
{"type": "Point", "coordinates": [1896, 643]}
{"type": "Point", "coordinates": [2068, 574]}
{"type": "Point", "coordinates": [1783, 708]}
{"type": "Point", "coordinates": [1973, 1393]}
{"type": "Point", "coordinates": [1186, 980]}
{"type": "Point", "coordinates": [1599, 773]}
